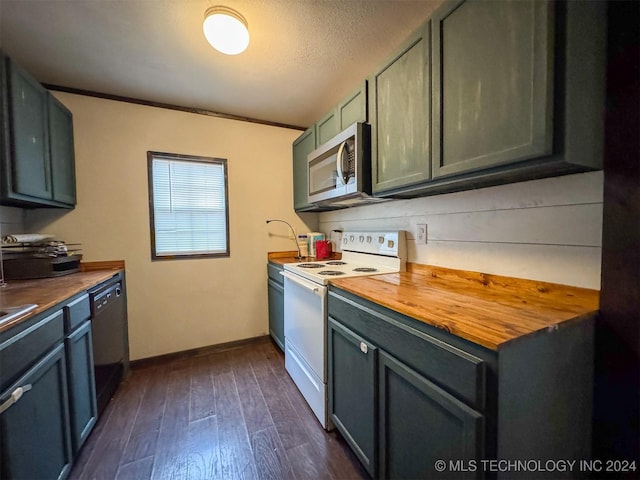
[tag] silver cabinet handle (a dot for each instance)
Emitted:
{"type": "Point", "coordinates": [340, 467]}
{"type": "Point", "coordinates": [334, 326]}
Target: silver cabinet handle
{"type": "Point", "coordinates": [15, 396]}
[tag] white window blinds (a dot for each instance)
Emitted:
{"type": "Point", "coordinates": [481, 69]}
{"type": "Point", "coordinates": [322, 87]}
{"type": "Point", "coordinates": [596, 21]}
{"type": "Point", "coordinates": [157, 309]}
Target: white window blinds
{"type": "Point", "coordinates": [189, 206]}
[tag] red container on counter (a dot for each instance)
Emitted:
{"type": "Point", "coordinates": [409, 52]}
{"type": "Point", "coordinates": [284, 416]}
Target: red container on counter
{"type": "Point", "coordinates": [323, 249]}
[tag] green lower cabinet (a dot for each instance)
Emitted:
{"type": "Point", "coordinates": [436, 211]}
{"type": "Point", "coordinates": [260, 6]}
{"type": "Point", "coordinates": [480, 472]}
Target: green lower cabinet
{"type": "Point", "coordinates": [82, 389]}
{"type": "Point", "coordinates": [352, 396]}
{"type": "Point", "coordinates": [275, 292]}
{"type": "Point", "coordinates": [437, 397]}
{"type": "Point", "coordinates": [35, 435]}
{"type": "Point", "coordinates": [276, 312]}
{"type": "Point", "coordinates": [421, 424]}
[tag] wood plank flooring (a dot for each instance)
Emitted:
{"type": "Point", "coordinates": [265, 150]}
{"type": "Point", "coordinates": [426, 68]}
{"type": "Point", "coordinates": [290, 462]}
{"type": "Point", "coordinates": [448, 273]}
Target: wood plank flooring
{"type": "Point", "coordinates": [233, 414]}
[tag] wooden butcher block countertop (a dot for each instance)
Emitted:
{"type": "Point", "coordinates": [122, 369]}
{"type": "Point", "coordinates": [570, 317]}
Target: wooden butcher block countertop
{"type": "Point", "coordinates": [489, 310]}
{"type": "Point", "coordinates": [48, 292]}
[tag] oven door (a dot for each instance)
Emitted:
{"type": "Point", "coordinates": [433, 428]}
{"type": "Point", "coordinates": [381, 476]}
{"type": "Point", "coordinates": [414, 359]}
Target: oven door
{"type": "Point", "coordinates": [305, 324]}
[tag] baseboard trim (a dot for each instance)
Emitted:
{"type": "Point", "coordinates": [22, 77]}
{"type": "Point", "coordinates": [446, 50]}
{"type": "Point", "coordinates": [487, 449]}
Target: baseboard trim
{"type": "Point", "coordinates": [197, 352]}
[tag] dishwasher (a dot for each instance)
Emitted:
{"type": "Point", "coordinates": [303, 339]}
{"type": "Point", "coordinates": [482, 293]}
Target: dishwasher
{"type": "Point", "coordinates": [108, 336]}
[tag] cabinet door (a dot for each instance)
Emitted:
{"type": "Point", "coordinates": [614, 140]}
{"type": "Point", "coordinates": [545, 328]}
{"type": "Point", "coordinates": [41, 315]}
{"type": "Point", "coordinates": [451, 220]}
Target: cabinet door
{"type": "Point", "coordinates": [30, 168]}
{"type": "Point", "coordinates": [492, 84]}
{"type": "Point", "coordinates": [327, 127]}
{"type": "Point", "coordinates": [353, 108]}
{"type": "Point", "coordinates": [352, 363]}
{"type": "Point", "coordinates": [63, 175]}
{"type": "Point", "coordinates": [34, 431]}
{"type": "Point", "coordinates": [400, 117]}
{"type": "Point", "coordinates": [276, 312]}
{"type": "Point", "coordinates": [302, 147]}
{"type": "Point", "coordinates": [82, 385]}
{"type": "Point", "coordinates": [421, 423]}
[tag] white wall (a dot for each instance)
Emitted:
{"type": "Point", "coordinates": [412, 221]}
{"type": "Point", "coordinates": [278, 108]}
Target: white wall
{"type": "Point", "coordinates": [180, 304]}
{"type": "Point", "coordinates": [547, 230]}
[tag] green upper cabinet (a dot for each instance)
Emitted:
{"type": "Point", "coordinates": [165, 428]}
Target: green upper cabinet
{"type": "Point", "coordinates": [38, 168]}
{"type": "Point", "coordinates": [517, 92]}
{"type": "Point", "coordinates": [492, 84]}
{"type": "Point", "coordinates": [353, 108]}
{"type": "Point", "coordinates": [63, 173]}
{"type": "Point", "coordinates": [399, 100]}
{"type": "Point", "coordinates": [302, 146]}
{"type": "Point", "coordinates": [327, 127]}
{"type": "Point", "coordinates": [28, 132]}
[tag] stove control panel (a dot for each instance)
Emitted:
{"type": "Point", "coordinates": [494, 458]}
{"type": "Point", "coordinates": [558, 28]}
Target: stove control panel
{"type": "Point", "coordinates": [390, 243]}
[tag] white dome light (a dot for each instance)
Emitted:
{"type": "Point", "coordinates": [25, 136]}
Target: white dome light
{"type": "Point", "coordinates": [226, 30]}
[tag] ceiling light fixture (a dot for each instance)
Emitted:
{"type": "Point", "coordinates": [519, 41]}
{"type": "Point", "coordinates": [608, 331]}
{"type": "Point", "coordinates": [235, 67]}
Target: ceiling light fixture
{"type": "Point", "coordinates": [226, 30]}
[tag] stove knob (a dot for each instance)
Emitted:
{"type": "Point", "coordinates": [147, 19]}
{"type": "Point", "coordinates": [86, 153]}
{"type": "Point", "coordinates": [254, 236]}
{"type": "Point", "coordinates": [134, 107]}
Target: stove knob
{"type": "Point", "coordinates": [380, 239]}
{"type": "Point", "coordinates": [361, 239]}
{"type": "Point", "coordinates": [368, 239]}
{"type": "Point", "coordinates": [390, 243]}
{"type": "Point", "coordinates": [345, 240]}
{"type": "Point", "coordinates": [351, 238]}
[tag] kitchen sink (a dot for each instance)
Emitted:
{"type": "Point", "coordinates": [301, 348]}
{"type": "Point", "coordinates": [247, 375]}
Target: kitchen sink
{"type": "Point", "coordinates": [9, 313]}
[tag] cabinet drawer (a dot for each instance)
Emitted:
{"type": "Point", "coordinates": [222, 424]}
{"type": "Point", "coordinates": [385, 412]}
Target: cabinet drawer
{"type": "Point", "coordinates": [453, 369]}
{"type": "Point", "coordinates": [76, 311]}
{"type": "Point", "coordinates": [274, 273]}
{"type": "Point", "coordinates": [20, 351]}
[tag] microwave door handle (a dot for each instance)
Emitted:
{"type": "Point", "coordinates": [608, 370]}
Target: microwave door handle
{"type": "Point", "coordinates": [343, 145]}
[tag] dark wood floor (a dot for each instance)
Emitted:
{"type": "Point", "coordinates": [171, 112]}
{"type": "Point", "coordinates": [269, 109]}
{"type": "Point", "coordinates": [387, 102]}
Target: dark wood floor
{"type": "Point", "coordinates": [227, 415]}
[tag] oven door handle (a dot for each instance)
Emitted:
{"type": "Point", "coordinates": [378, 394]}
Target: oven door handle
{"type": "Point", "coordinates": [312, 287]}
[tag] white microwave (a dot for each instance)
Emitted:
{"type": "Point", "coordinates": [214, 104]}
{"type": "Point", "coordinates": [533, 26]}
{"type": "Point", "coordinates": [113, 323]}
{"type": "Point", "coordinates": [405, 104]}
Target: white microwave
{"type": "Point", "coordinates": [339, 171]}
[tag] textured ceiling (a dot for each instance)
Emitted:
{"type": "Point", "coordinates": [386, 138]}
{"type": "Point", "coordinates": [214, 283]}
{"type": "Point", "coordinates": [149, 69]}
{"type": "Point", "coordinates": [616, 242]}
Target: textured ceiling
{"type": "Point", "coordinates": [304, 55]}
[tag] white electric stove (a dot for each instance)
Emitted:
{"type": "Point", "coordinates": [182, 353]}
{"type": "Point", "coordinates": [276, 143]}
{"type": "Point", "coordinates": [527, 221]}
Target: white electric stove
{"type": "Point", "coordinates": [305, 305]}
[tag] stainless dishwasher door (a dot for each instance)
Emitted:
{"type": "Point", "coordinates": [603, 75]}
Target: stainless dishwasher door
{"type": "Point", "coordinates": [107, 324]}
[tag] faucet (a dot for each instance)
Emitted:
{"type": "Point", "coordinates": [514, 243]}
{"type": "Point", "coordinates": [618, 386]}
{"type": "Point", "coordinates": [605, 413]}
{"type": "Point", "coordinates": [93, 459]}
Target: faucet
{"type": "Point", "coordinates": [295, 238]}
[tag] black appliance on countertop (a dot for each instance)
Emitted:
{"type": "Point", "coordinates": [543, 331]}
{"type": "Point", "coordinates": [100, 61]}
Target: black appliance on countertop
{"type": "Point", "coordinates": [23, 261]}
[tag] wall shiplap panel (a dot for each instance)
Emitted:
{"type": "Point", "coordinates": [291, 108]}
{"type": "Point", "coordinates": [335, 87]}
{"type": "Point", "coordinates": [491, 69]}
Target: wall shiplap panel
{"type": "Point", "coordinates": [568, 265]}
{"type": "Point", "coordinates": [11, 220]}
{"type": "Point", "coordinates": [545, 225]}
{"type": "Point", "coordinates": [547, 229]}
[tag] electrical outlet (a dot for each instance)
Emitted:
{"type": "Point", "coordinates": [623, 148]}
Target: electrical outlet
{"type": "Point", "coordinates": [421, 233]}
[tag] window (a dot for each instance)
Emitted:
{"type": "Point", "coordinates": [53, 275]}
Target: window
{"type": "Point", "coordinates": [188, 206]}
